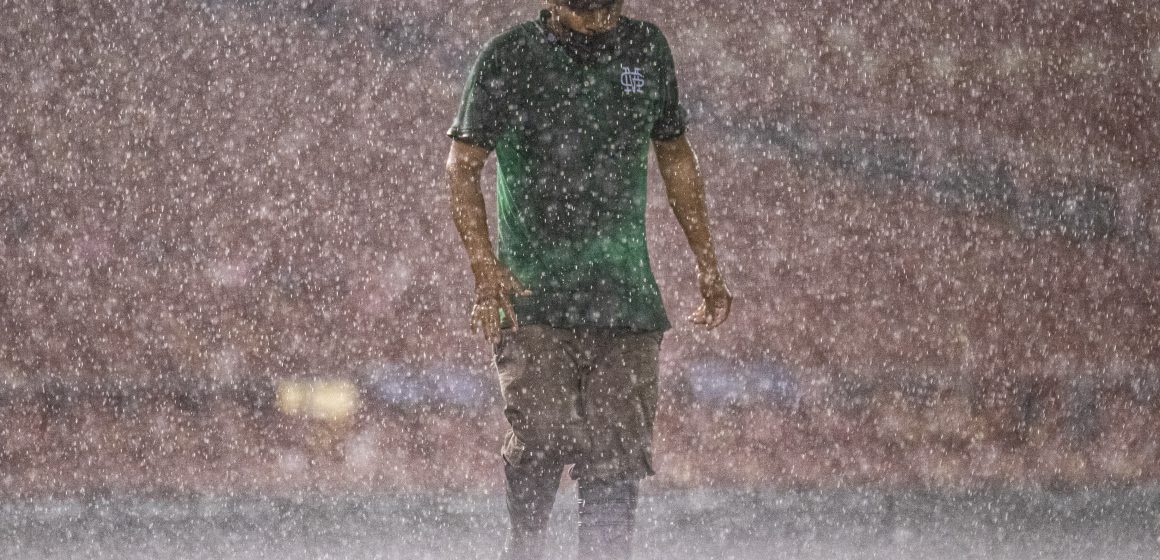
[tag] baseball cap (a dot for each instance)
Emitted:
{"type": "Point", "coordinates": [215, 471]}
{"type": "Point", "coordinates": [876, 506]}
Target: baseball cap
{"type": "Point", "coordinates": [587, 4]}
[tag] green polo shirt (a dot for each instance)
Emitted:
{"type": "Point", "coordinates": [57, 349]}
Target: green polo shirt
{"type": "Point", "coordinates": [571, 130]}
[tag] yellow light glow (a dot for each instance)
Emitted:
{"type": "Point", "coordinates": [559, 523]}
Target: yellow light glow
{"type": "Point", "coordinates": [327, 399]}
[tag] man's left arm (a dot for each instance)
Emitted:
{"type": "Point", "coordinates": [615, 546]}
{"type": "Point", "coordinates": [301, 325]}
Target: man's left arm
{"type": "Point", "coordinates": [686, 193]}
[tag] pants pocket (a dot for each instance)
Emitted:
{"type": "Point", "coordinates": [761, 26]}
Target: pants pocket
{"type": "Point", "coordinates": [514, 451]}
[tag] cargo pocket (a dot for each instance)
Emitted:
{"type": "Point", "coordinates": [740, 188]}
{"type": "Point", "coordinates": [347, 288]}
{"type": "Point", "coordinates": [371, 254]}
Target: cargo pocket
{"type": "Point", "coordinates": [514, 451]}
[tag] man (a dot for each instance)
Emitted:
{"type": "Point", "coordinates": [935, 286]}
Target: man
{"type": "Point", "coordinates": [569, 103]}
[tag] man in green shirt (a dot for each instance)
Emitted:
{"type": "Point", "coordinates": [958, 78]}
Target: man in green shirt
{"type": "Point", "coordinates": [570, 104]}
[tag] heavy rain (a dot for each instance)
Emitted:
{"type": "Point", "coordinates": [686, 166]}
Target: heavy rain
{"type": "Point", "coordinates": [236, 312]}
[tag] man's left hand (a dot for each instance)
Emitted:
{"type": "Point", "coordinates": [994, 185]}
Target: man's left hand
{"type": "Point", "coordinates": [714, 310]}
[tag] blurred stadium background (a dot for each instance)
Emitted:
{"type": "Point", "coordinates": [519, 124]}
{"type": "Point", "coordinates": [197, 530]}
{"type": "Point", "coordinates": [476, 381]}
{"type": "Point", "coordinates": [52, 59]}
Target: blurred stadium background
{"type": "Point", "coordinates": [227, 262]}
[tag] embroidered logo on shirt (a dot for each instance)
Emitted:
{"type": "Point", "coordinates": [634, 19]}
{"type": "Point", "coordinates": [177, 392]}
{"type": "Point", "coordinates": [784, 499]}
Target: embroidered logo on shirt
{"type": "Point", "coordinates": [632, 80]}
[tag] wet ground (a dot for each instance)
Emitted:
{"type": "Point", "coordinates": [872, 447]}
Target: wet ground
{"type": "Point", "coordinates": [705, 524]}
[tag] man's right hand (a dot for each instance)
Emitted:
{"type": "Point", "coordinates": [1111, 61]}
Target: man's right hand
{"type": "Point", "coordinates": [494, 283]}
{"type": "Point", "coordinates": [494, 287]}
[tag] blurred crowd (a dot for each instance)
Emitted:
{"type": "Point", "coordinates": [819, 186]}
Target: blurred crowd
{"type": "Point", "coordinates": [228, 192]}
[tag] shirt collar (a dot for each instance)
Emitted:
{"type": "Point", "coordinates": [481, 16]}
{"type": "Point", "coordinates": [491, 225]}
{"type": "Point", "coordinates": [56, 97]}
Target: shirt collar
{"type": "Point", "coordinates": [584, 48]}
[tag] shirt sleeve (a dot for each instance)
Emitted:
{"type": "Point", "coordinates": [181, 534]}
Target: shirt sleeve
{"type": "Point", "coordinates": [482, 117]}
{"type": "Point", "coordinates": [672, 121]}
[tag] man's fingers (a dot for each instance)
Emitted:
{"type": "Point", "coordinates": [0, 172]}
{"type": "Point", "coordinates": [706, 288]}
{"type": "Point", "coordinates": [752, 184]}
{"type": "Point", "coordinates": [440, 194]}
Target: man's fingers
{"type": "Point", "coordinates": [514, 287]}
{"type": "Point", "coordinates": [485, 317]}
{"type": "Point", "coordinates": [518, 290]}
{"type": "Point", "coordinates": [719, 316]}
{"type": "Point", "coordinates": [710, 319]}
{"type": "Point", "coordinates": [721, 313]}
{"type": "Point", "coordinates": [511, 312]}
{"type": "Point", "coordinates": [491, 326]}
{"type": "Point", "coordinates": [492, 297]}
{"type": "Point", "coordinates": [698, 316]}
{"type": "Point", "coordinates": [493, 334]}
{"type": "Point", "coordinates": [711, 314]}
{"type": "Point", "coordinates": [476, 319]}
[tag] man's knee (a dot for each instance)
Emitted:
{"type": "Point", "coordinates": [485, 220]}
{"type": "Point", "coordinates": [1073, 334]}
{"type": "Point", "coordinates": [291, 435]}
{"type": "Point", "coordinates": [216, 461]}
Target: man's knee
{"type": "Point", "coordinates": [633, 465]}
{"type": "Point", "coordinates": [558, 445]}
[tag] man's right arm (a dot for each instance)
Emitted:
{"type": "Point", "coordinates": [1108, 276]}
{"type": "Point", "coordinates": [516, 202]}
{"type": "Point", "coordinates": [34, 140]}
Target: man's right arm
{"type": "Point", "coordinates": [494, 284]}
{"type": "Point", "coordinates": [464, 166]}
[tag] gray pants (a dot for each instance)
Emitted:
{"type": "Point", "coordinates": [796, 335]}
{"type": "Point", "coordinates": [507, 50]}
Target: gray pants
{"type": "Point", "coordinates": [585, 397]}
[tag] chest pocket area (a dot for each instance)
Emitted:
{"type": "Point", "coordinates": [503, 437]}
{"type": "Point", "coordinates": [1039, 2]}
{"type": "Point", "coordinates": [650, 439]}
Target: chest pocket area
{"type": "Point", "coordinates": [635, 96]}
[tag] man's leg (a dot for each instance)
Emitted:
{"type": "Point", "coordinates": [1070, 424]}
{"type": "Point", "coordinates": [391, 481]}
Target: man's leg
{"type": "Point", "coordinates": [619, 395]}
{"type": "Point", "coordinates": [607, 512]}
{"type": "Point", "coordinates": [540, 385]}
{"type": "Point", "coordinates": [531, 492]}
